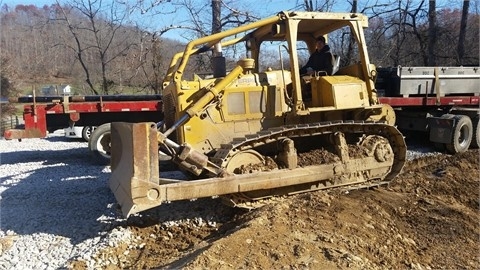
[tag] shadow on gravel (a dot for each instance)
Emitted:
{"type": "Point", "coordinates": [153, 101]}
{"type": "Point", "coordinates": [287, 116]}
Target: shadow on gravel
{"type": "Point", "coordinates": [418, 140]}
{"type": "Point", "coordinates": [66, 196]}
{"type": "Point", "coordinates": [200, 212]}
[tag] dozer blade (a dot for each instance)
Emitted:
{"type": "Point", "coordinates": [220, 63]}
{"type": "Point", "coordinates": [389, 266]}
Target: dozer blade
{"type": "Point", "coordinates": [134, 165]}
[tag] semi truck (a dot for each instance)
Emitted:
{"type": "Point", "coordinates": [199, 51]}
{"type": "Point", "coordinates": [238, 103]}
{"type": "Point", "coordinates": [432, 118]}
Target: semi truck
{"type": "Point", "coordinates": [43, 114]}
{"type": "Point", "coordinates": [442, 102]}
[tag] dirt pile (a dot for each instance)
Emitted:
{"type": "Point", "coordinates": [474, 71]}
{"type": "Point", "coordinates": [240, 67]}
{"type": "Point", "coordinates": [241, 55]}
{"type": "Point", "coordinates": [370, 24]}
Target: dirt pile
{"type": "Point", "coordinates": [426, 219]}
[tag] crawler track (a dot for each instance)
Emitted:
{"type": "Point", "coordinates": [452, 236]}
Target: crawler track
{"type": "Point", "coordinates": [360, 128]}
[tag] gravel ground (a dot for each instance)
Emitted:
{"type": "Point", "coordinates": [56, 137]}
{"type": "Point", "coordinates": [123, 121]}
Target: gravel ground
{"type": "Point", "coordinates": [56, 207]}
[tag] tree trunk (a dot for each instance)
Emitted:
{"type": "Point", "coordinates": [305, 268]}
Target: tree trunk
{"type": "Point", "coordinates": [308, 5]}
{"type": "Point", "coordinates": [463, 30]}
{"type": "Point", "coordinates": [351, 40]}
{"type": "Point", "coordinates": [216, 16]}
{"type": "Point", "coordinates": [432, 33]}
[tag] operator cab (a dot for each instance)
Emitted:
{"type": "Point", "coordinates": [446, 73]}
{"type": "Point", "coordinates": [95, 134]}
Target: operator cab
{"type": "Point", "coordinates": [287, 45]}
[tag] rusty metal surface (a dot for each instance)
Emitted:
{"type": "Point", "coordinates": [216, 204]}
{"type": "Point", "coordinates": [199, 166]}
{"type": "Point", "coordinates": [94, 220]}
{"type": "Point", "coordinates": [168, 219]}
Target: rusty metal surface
{"type": "Point", "coordinates": [13, 134]}
{"type": "Point", "coordinates": [144, 195]}
{"type": "Point", "coordinates": [134, 160]}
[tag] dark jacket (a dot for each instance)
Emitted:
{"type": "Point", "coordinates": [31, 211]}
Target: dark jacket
{"type": "Point", "coordinates": [320, 60]}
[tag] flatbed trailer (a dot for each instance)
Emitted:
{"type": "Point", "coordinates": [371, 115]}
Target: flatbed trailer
{"type": "Point", "coordinates": [43, 114]}
{"type": "Point", "coordinates": [441, 101]}
{"type": "Point", "coordinates": [431, 101]}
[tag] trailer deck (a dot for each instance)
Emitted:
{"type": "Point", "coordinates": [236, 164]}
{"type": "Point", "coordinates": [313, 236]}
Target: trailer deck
{"type": "Point", "coordinates": [43, 114]}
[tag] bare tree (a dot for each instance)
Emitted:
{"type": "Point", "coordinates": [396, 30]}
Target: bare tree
{"type": "Point", "coordinates": [7, 85]}
{"type": "Point", "coordinates": [409, 38]}
{"type": "Point", "coordinates": [308, 5]}
{"type": "Point", "coordinates": [78, 48]}
{"type": "Point", "coordinates": [351, 40]}
{"type": "Point", "coordinates": [216, 16]}
{"type": "Point", "coordinates": [208, 19]}
{"type": "Point", "coordinates": [47, 51]}
{"type": "Point", "coordinates": [432, 32]}
{"type": "Point", "coordinates": [154, 55]}
{"type": "Point", "coordinates": [463, 30]}
{"type": "Point", "coordinates": [97, 32]}
{"type": "Point", "coordinates": [323, 5]}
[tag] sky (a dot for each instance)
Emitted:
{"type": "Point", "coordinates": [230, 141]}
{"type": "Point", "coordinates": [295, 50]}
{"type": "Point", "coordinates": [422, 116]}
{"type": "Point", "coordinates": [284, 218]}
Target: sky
{"type": "Point", "coordinates": [27, 2]}
{"type": "Point", "coordinates": [266, 7]}
{"type": "Point", "coordinates": [263, 8]}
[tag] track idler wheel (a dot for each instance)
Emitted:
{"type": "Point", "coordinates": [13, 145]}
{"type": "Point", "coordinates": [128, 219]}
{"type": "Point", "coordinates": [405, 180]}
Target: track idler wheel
{"type": "Point", "coordinates": [245, 162]}
{"type": "Point", "coordinates": [378, 147]}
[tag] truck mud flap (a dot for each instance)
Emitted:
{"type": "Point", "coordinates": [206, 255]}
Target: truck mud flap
{"type": "Point", "coordinates": [134, 165]}
{"type": "Point", "coordinates": [441, 128]}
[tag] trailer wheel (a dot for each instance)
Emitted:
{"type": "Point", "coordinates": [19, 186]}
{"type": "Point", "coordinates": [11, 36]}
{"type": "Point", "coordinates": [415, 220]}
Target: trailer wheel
{"type": "Point", "coordinates": [476, 133]}
{"type": "Point", "coordinates": [87, 132]}
{"type": "Point", "coordinates": [462, 135]}
{"type": "Point", "coordinates": [100, 144]}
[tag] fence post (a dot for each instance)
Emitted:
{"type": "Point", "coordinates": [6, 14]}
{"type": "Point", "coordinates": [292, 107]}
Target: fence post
{"type": "Point", "coordinates": [8, 123]}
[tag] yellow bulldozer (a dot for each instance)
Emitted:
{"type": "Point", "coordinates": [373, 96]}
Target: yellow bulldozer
{"type": "Point", "coordinates": [256, 132]}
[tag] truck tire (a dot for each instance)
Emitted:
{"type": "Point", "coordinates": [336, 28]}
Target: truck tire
{"type": "Point", "coordinates": [476, 133]}
{"type": "Point", "coordinates": [100, 143]}
{"type": "Point", "coordinates": [462, 135]}
{"type": "Point", "coordinates": [87, 132]}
